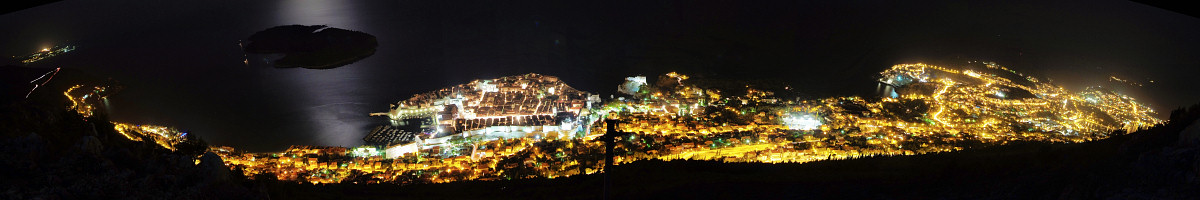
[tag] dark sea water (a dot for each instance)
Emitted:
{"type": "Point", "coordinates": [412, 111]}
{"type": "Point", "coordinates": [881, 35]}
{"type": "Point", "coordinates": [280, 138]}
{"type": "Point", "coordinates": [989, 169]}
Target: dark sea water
{"type": "Point", "coordinates": [181, 64]}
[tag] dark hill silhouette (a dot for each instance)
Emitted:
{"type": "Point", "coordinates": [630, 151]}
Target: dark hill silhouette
{"type": "Point", "coordinates": [49, 152]}
{"type": "Point", "coordinates": [313, 47]}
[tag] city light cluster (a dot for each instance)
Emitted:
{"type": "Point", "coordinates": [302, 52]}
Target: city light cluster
{"type": "Point", "coordinates": [84, 99]}
{"type": "Point", "coordinates": [46, 53]}
{"type": "Point", "coordinates": [166, 137]}
{"type": "Point", "coordinates": [935, 109]}
{"type": "Point", "coordinates": [533, 125]}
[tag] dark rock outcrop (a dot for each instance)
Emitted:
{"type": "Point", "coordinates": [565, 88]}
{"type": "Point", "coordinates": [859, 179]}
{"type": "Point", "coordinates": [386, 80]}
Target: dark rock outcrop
{"type": "Point", "coordinates": [89, 144]}
{"type": "Point", "coordinates": [213, 168]}
{"type": "Point", "coordinates": [313, 47]}
{"type": "Point", "coordinates": [1190, 136]}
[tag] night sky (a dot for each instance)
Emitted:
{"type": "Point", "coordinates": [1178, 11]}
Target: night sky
{"type": "Point", "coordinates": [181, 66]}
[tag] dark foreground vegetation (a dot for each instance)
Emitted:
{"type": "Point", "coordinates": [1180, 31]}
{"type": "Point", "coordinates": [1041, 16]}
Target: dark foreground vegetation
{"type": "Point", "coordinates": [48, 152]}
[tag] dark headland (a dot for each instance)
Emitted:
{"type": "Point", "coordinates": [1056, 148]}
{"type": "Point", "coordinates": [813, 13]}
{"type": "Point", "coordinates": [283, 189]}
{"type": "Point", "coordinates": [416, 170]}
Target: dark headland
{"type": "Point", "coordinates": [312, 47]}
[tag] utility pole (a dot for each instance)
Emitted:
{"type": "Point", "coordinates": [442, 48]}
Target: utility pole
{"type": "Point", "coordinates": [609, 139]}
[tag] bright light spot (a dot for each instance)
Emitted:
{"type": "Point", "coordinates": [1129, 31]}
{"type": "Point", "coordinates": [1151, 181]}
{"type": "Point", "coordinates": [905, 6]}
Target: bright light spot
{"type": "Point", "coordinates": [365, 152]}
{"type": "Point", "coordinates": [632, 85]}
{"type": "Point", "coordinates": [971, 73]}
{"type": "Point", "coordinates": [801, 122]}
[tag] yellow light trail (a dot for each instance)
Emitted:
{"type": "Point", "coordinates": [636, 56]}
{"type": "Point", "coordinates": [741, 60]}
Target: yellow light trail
{"type": "Point", "coordinates": [937, 99]}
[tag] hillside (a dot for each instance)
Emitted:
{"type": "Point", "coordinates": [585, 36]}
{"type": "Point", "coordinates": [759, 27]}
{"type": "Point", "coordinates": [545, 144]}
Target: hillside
{"type": "Point", "coordinates": [48, 152]}
{"type": "Point", "coordinates": [1149, 164]}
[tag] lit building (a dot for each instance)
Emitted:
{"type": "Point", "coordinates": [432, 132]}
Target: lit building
{"type": "Point", "coordinates": [529, 105]}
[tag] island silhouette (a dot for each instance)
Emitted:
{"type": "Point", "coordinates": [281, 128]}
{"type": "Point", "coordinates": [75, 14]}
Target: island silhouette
{"type": "Point", "coordinates": [312, 47]}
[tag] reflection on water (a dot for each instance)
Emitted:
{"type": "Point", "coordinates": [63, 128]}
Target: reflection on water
{"type": "Point", "coordinates": [885, 90]}
{"type": "Point", "coordinates": [331, 106]}
{"type": "Point", "coordinates": [331, 13]}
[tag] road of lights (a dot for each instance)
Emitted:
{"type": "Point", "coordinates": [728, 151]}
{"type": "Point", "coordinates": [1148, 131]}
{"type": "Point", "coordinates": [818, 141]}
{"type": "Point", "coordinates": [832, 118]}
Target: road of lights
{"type": "Point", "coordinates": [934, 109]}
